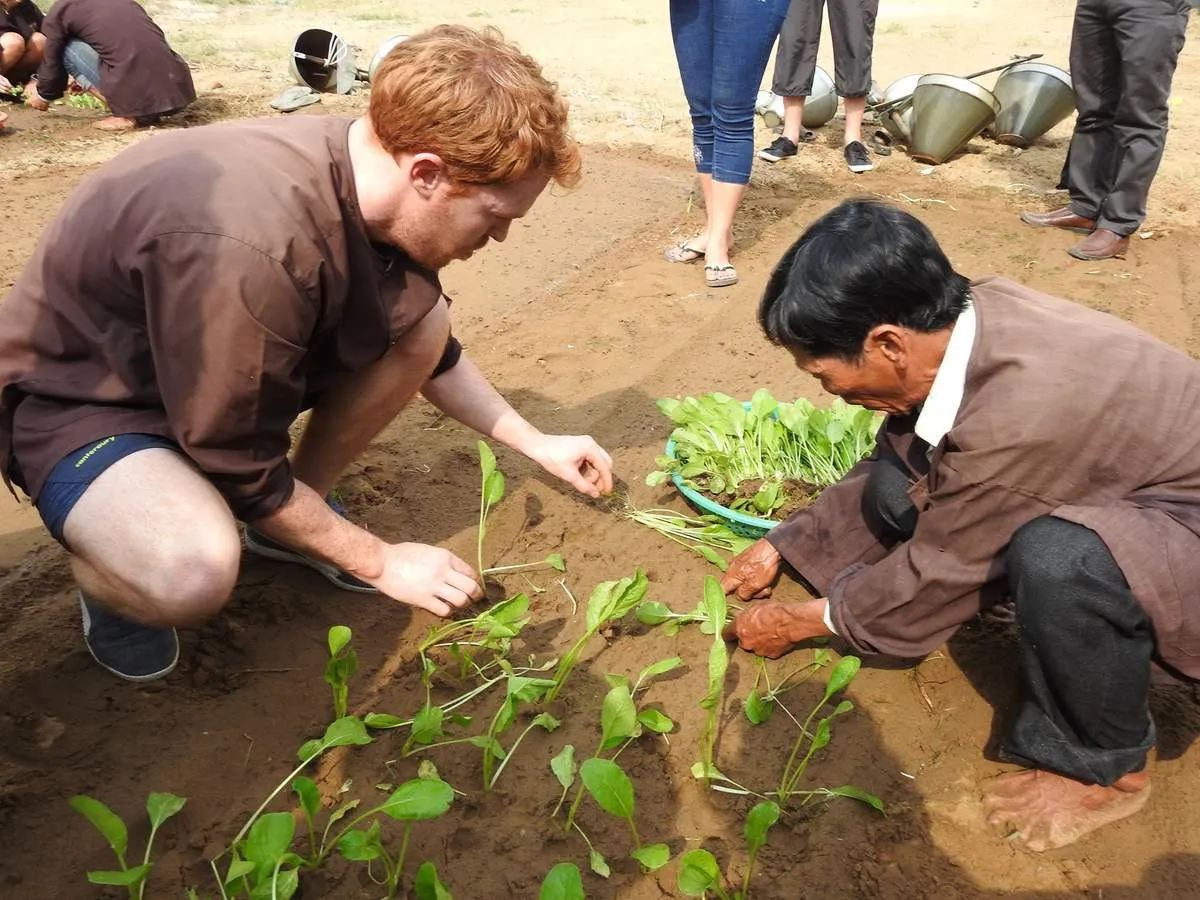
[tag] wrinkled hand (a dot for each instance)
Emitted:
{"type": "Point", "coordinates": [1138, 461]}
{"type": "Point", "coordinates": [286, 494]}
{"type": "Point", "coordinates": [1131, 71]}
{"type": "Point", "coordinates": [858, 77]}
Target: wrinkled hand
{"type": "Point", "coordinates": [753, 572]}
{"type": "Point", "coordinates": [34, 99]}
{"type": "Point", "coordinates": [576, 459]}
{"type": "Point", "coordinates": [767, 629]}
{"type": "Point", "coordinates": [427, 577]}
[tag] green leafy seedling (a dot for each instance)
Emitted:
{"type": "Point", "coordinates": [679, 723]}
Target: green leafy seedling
{"type": "Point", "coordinates": [699, 874]}
{"type": "Point", "coordinates": [610, 601]}
{"type": "Point", "coordinates": [427, 885]}
{"type": "Point", "coordinates": [718, 663]}
{"type": "Point", "coordinates": [159, 807]}
{"type": "Point", "coordinates": [759, 820]}
{"type": "Point", "coordinates": [342, 664]}
{"type": "Point", "coordinates": [759, 704]}
{"type": "Point", "coordinates": [563, 882]}
{"type": "Point", "coordinates": [611, 788]}
{"type": "Point", "coordinates": [491, 490]}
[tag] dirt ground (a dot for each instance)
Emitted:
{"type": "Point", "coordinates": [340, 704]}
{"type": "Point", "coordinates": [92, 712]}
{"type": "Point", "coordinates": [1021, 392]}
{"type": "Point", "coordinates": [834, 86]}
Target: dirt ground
{"type": "Point", "coordinates": [582, 325]}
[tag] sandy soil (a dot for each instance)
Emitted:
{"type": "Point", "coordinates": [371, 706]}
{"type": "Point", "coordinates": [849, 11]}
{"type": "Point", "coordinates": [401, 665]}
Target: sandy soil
{"type": "Point", "coordinates": [582, 326]}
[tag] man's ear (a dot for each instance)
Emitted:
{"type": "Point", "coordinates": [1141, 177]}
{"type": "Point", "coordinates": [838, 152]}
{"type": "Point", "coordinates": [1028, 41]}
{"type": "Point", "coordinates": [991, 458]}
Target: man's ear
{"type": "Point", "coordinates": [888, 340]}
{"type": "Point", "coordinates": [427, 172]}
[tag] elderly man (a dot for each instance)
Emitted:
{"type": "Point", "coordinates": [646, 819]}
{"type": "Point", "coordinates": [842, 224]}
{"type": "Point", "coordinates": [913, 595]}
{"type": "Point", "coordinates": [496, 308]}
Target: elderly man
{"type": "Point", "coordinates": [1032, 447]}
{"type": "Point", "coordinates": [114, 49]}
{"type": "Point", "coordinates": [1123, 58]}
{"type": "Point", "coordinates": [198, 292]}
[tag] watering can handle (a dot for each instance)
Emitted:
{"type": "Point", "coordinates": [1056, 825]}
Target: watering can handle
{"type": "Point", "coordinates": [1007, 65]}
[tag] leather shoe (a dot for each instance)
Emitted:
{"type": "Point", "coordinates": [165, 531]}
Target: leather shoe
{"type": "Point", "coordinates": [1100, 244]}
{"type": "Point", "coordinates": [1060, 218]}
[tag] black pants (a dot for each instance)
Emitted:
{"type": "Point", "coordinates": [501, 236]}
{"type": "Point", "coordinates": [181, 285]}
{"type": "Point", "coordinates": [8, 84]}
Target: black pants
{"type": "Point", "coordinates": [1123, 57]}
{"type": "Point", "coordinates": [852, 27]}
{"type": "Point", "coordinates": [1085, 643]}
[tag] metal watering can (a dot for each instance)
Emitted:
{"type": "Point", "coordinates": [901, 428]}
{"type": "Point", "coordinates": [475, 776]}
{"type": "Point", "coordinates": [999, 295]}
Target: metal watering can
{"type": "Point", "coordinates": [328, 64]}
{"type": "Point", "coordinates": [819, 107]}
{"type": "Point", "coordinates": [1034, 97]}
{"type": "Point", "coordinates": [947, 112]}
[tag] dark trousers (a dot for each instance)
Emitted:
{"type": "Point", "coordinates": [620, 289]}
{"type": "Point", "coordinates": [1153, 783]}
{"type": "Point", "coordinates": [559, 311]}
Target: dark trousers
{"type": "Point", "coordinates": [852, 27]}
{"type": "Point", "coordinates": [1123, 56]}
{"type": "Point", "coordinates": [1084, 642]}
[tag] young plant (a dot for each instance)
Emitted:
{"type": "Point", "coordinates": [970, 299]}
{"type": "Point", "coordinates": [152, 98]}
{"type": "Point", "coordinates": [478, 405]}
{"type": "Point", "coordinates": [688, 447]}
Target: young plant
{"type": "Point", "coordinates": [492, 630]}
{"type": "Point", "coordinates": [651, 612]}
{"type": "Point", "coordinates": [699, 874]}
{"type": "Point", "coordinates": [491, 492]}
{"type": "Point", "coordinates": [341, 665]}
{"type": "Point", "coordinates": [705, 535]}
{"type": "Point", "coordinates": [610, 601]}
{"type": "Point", "coordinates": [562, 882]}
{"type": "Point", "coordinates": [611, 788]}
{"type": "Point", "coordinates": [758, 822]}
{"type": "Point", "coordinates": [718, 662]}
{"type": "Point", "coordinates": [759, 704]}
{"type": "Point", "coordinates": [159, 807]}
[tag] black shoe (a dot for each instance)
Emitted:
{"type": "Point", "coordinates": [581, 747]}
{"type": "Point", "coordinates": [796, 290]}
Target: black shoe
{"type": "Point", "coordinates": [260, 544]}
{"type": "Point", "coordinates": [858, 158]}
{"type": "Point", "coordinates": [781, 148]}
{"type": "Point", "coordinates": [128, 650]}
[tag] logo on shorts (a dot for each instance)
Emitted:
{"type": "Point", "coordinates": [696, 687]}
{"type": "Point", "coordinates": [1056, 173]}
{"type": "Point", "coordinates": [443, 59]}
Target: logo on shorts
{"type": "Point", "coordinates": [79, 462]}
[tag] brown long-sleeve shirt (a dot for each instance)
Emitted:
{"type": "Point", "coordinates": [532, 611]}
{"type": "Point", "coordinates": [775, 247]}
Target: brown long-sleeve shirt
{"type": "Point", "coordinates": [205, 285]}
{"type": "Point", "coordinates": [1066, 412]}
{"type": "Point", "coordinates": [140, 75]}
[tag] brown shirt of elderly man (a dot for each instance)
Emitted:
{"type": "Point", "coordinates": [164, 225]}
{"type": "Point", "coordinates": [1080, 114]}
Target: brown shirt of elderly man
{"type": "Point", "coordinates": [200, 291]}
{"type": "Point", "coordinates": [1033, 449]}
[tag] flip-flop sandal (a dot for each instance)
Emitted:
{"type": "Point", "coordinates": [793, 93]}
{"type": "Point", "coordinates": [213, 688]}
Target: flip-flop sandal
{"type": "Point", "coordinates": [720, 276]}
{"type": "Point", "coordinates": [294, 98]}
{"type": "Point", "coordinates": [881, 143]}
{"type": "Point", "coordinates": [806, 136]}
{"type": "Point", "coordinates": [682, 253]}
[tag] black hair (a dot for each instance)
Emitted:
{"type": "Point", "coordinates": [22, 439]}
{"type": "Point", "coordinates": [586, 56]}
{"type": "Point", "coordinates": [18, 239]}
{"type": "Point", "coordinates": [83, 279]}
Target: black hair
{"type": "Point", "coordinates": [862, 264]}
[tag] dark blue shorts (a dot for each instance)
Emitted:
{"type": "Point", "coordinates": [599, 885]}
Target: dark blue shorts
{"type": "Point", "coordinates": [76, 471]}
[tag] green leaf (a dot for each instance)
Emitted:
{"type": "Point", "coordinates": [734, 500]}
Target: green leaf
{"type": "Point", "coordinates": [599, 864]}
{"type": "Point", "coordinates": [487, 460]}
{"type": "Point", "coordinates": [383, 720]}
{"type": "Point", "coordinates": [653, 720]}
{"type": "Point", "coordinates": [613, 599]}
{"type": "Point", "coordinates": [841, 676]}
{"type": "Point", "coordinates": [238, 868]}
{"type": "Point", "coordinates": [758, 708]}
{"type": "Point", "coordinates": [493, 488]}
{"type": "Point", "coordinates": [609, 786]}
{"type": "Point", "coordinates": [340, 733]}
{"type": "Point", "coordinates": [618, 717]}
{"type": "Point", "coordinates": [654, 479]}
{"type": "Point", "coordinates": [161, 806]}
{"type": "Point", "coordinates": [822, 734]}
{"type": "Point", "coordinates": [547, 721]}
{"type": "Point", "coordinates": [427, 770]}
{"type": "Point", "coordinates": [615, 680]}
{"type": "Point", "coordinates": [698, 873]}
{"type": "Point", "coordinates": [662, 667]}
{"type": "Point", "coordinates": [563, 766]}
{"type": "Point", "coordinates": [339, 637]}
{"type": "Point", "coordinates": [555, 561]}
{"type": "Point", "coordinates": [286, 885]}
{"type": "Point", "coordinates": [652, 856]}
{"type": "Point", "coordinates": [427, 885]}
{"type": "Point", "coordinates": [310, 797]}
{"type": "Point", "coordinates": [758, 822]}
{"type": "Point", "coordinates": [418, 800]}
{"type": "Point", "coordinates": [427, 725]}
{"type": "Point", "coordinates": [361, 846]}
{"type": "Point", "coordinates": [653, 613]}
{"type": "Point", "coordinates": [126, 878]}
{"type": "Point", "coordinates": [712, 556]}
{"type": "Point", "coordinates": [270, 838]}
{"type": "Point", "coordinates": [107, 822]}
{"type": "Point", "coordinates": [342, 811]}
{"type": "Point", "coordinates": [562, 882]}
{"type": "Point", "coordinates": [854, 793]}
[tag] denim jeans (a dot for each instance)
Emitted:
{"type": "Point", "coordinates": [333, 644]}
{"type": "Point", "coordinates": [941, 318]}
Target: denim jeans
{"type": "Point", "coordinates": [82, 63]}
{"type": "Point", "coordinates": [722, 47]}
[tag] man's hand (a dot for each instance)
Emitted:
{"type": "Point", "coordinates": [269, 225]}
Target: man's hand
{"type": "Point", "coordinates": [5, 85]}
{"type": "Point", "coordinates": [33, 98]}
{"type": "Point", "coordinates": [427, 577]}
{"type": "Point", "coordinates": [773, 628]}
{"type": "Point", "coordinates": [753, 572]}
{"type": "Point", "coordinates": [576, 459]}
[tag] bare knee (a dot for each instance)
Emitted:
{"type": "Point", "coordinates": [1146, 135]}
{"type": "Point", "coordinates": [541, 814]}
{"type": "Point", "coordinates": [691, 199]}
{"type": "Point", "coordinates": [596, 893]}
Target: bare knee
{"type": "Point", "coordinates": [12, 49]}
{"type": "Point", "coordinates": [35, 49]}
{"type": "Point", "coordinates": [192, 582]}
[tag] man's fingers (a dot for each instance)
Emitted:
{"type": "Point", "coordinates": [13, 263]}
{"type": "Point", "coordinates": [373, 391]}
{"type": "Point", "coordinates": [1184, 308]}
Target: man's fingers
{"type": "Point", "coordinates": [730, 632]}
{"type": "Point", "coordinates": [763, 594]}
{"type": "Point", "coordinates": [453, 596]}
{"type": "Point", "coordinates": [439, 608]}
{"type": "Point", "coordinates": [465, 583]}
{"type": "Point", "coordinates": [464, 568]}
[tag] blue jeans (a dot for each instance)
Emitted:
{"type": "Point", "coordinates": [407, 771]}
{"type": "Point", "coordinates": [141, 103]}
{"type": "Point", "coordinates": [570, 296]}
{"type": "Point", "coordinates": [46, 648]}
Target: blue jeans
{"type": "Point", "coordinates": [82, 63]}
{"type": "Point", "coordinates": [722, 47]}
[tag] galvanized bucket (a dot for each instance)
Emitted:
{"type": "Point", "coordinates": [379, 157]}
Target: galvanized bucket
{"type": "Point", "coordinates": [1034, 97]}
{"type": "Point", "coordinates": [947, 112]}
{"type": "Point", "coordinates": [898, 119]}
{"type": "Point", "coordinates": [384, 49]}
{"type": "Point", "coordinates": [323, 61]}
{"type": "Point", "coordinates": [819, 107]}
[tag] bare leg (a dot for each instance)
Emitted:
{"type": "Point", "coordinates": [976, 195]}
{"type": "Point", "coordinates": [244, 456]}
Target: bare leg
{"type": "Point", "coordinates": [349, 415]}
{"type": "Point", "coordinates": [723, 204]}
{"type": "Point", "coordinates": [12, 50]}
{"type": "Point", "coordinates": [153, 541]}
{"type": "Point", "coordinates": [29, 61]}
{"type": "Point", "coordinates": [1045, 811]}
{"type": "Point", "coordinates": [855, 107]}
{"type": "Point", "coordinates": [793, 118]}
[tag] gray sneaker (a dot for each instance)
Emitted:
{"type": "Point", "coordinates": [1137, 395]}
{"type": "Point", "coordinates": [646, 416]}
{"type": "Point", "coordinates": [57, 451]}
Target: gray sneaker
{"type": "Point", "coordinates": [261, 545]}
{"type": "Point", "coordinates": [858, 158]}
{"type": "Point", "coordinates": [128, 650]}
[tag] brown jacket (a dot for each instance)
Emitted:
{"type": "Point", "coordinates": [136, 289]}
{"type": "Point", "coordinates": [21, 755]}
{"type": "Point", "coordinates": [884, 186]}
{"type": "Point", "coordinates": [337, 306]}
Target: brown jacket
{"type": "Point", "coordinates": [1066, 411]}
{"type": "Point", "coordinates": [140, 75]}
{"type": "Point", "coordinates": [205, 285]}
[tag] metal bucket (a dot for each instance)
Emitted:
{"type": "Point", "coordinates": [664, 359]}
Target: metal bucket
{"type": "Point", "coordinates": [323, 61]}
{"type": "Point", "coordinates": [947, 112]}
{"type": "Point", "coordinates": [819, 107]}
{"type": "Point", "coordinates": [898, 119]}
{"type": "Point", "coordinates": [384, 49]}
{"type": "Point", "coordinates": [1034, 97]}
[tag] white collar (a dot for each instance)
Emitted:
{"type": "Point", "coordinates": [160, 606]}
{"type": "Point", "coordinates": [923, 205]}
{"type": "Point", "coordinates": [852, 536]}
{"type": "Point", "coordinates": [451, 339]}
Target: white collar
{"type": "Point", "coordinates": [945, 395]}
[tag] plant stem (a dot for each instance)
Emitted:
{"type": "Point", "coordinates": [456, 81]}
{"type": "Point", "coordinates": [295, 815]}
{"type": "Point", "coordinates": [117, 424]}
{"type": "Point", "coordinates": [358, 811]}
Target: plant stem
{"type": "Point", "coordinates": [217, 876]}
{"type": "Point", "coordinates": [786, 783]}
{"type": "Point", "coordinates": [569, 661]}
{"type": "Point", "coordinates": [513, 568]}
{"type": "Point", "coordinates": [400, 858]}
{"type": "Point", "coordinates": [508, 756]}
{"type": "Point", "coordinates": [275, 793]}
{"type": "Point", "coordinates": [637, 841]}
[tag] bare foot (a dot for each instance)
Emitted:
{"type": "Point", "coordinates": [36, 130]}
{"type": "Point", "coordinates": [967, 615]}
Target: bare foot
{"type": "Point", "coordinates": [115, 123]}
{"type": "Point", "coordinates": [3, 118]}
{"type": "Point", "coordinates": [1045, 811]}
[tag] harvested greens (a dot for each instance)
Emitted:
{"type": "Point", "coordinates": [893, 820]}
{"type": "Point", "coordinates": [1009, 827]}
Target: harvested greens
{"type": "Point", "coordinates": [763, 458]}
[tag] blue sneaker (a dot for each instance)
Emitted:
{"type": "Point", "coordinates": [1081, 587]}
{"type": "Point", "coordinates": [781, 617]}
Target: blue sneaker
{"type": "Point", "coordinates": [128, 650]}
{"type": "Point", "coordinates": [261, 545]}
